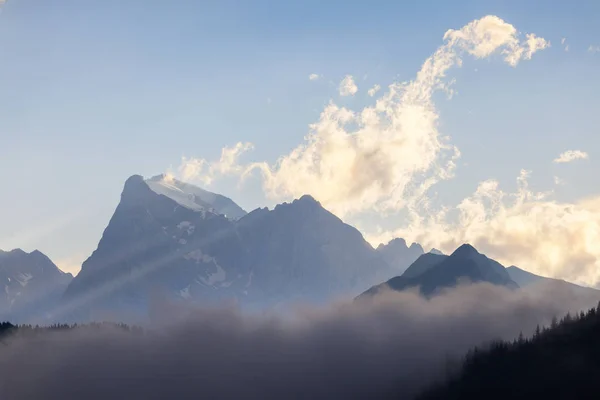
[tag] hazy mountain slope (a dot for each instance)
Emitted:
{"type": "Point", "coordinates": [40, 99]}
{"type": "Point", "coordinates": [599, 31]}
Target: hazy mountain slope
{"type": "Point", "coordinates": [528, 280]}
{"type": "Point", "coordinates": [151, 243]}
{"type": "Point", "coordinates": [398, 255]}
{"type": "Point", "coordinates": [32, 285]}
{"type": "Point", "coordinates": [422, 264]}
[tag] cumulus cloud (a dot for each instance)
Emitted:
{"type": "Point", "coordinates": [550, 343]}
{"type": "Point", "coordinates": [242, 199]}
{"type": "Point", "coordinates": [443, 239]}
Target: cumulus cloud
{"type": "Point", "coordinates": [194, 169]}
{"type": "Point", "coordinates": [524, 228]}
{"type": "Point", "coordinates": [388, 347]}
{"type": "Point", "coordinates": [385, 156]}
{"type": "Point", "coordinates": [593, 49]}
{"type": "Point", "coordinates": [314, 77]}
{"type": "Point", "coordinates": [347, 86]}
{"type": "Point", "coordinates": [571, 155]}
{"type": "Point", "coordinates": [485, 36]}
{"type": "Point", "coordinates": [374, 90]}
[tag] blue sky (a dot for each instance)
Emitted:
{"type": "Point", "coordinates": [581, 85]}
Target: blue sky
{"type": "Point", "coordinates": [92, 92]}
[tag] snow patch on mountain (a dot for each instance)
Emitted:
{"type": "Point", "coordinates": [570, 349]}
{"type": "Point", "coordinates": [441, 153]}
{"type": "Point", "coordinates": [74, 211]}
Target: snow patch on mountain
{"type": "Point", "coordinates": [194, 198]}
{"type": "Point", "coordinates": [168, 189]}
{"type": "Point", "coordinates": [187, 226]}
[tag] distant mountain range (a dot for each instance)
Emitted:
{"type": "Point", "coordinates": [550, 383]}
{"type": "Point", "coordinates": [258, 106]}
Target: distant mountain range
{"type": "Point", "coordinates": [398, 255]}
{"type": "Point", "coordinates": [433, 272]}
{"type": "Point", "coordinates": [33, 285]}
{"type": "Point", "coordinates": [171, 240]}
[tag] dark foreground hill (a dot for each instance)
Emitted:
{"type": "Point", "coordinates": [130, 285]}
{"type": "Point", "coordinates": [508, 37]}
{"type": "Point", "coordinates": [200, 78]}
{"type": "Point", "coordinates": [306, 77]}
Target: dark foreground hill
{"type": "Point", "coordinates": [559, 362]}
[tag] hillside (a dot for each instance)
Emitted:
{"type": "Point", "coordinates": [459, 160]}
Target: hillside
{"type": "Point", "coordinates": [559, 362]}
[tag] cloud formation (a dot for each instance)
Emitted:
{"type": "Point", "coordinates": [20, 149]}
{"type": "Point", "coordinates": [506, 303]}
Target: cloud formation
{"type": "Point", "coordinates": [384, 157]}
{"type": "Point", "coordinates": [314, 77]}
{"type": "Point", "coordinates": [593, 49]}
{"type": "Point", "coordinates": [348, 86]}
{"type": "Point", "coordinates": [571, 155]}
{"type": "Point", "coordinates": [371, 92]}
{"type": "Point", "coordinates": [195, 169]}
{"type": "Point", "coordinates": [390, 347]}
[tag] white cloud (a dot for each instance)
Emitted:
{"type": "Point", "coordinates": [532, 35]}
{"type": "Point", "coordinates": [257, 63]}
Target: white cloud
{"type": "Point", "coordinates": [195, 169]}
{"type": "Point", "coordinates": [385, 157]}
{"type": "Point", "coordinates": [485, 36]}
{"type": "Point", "coordinates": [314, 77]}
{"type": "Point", "coordinates": [562, 41]}
{"type": "Point", "coordinates": [347, 86]}
{"type": "Point", "coordinates": [525, 228]}
{"type": "Point", "coordinates": [593, 49]}
{"type": "Point", "coordinates": [371, 92]}
{"type": "Point", "coordinates": [558, 181]}
{"type": "Point", "coordinates": [571, 155]}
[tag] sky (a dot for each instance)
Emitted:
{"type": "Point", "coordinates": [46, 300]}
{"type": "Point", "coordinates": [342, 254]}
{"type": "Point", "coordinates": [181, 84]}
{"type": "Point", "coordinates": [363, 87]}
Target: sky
{"type": "Point", "coordinates": [440, 122]}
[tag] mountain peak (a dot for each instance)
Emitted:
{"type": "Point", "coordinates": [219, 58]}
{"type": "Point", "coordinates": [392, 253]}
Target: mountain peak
{"type": "Point", "coordinates": [308, 199]}
{"type": "Point", "coordinates": [306, 202]}
{"type": "Point", "coordinates": [134, 180]}
{"type": "Point", "coordinates": [398, 242]}
{"type": "Point", "coordinates": [466, 250]}
{"type": "Point", "coordinates": [416, 247]}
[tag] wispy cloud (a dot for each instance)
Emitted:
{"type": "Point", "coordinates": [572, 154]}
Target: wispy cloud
{"type": "Point", "coordinates": [348, 86]}
{"type": "Point", "coordinates": [195, 169]}
{"type": "Point", "coordinates": [314, 77]}
{"type": "Point", "coordinates": [371, 92]}
{"type": "Point", "coordinates": [593, 49]}
{"type": "Point", "coordinates": [558, 181]}
{"type": "Point", "coordinates": [571, 155]}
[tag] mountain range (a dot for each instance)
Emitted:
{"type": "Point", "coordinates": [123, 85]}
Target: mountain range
{"type": "Point", "coordinates": [180, 242]}
{"type": "Point", "coordinates": [169, 240]}
{"type": "Point", "coordinates": [433, 272]}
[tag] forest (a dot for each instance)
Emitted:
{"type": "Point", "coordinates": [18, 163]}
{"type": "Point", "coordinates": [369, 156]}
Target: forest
{"type": "Point", "coordinates": [561, 361]}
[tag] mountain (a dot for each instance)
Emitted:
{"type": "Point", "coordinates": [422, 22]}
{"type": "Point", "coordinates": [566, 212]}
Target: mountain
{"type": "Point", "coordinates": [159, 244]}
{"type": "Point", "coordinates": [398, 255]}
{"type": "Point", "coordinates": [33, 284]}
{"type": "Point", "coordinates": [526, 279]}
{"type": "Point", "coordinates": [422, 264]}
{"type": "Point", "coordinates": [433, 272]}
